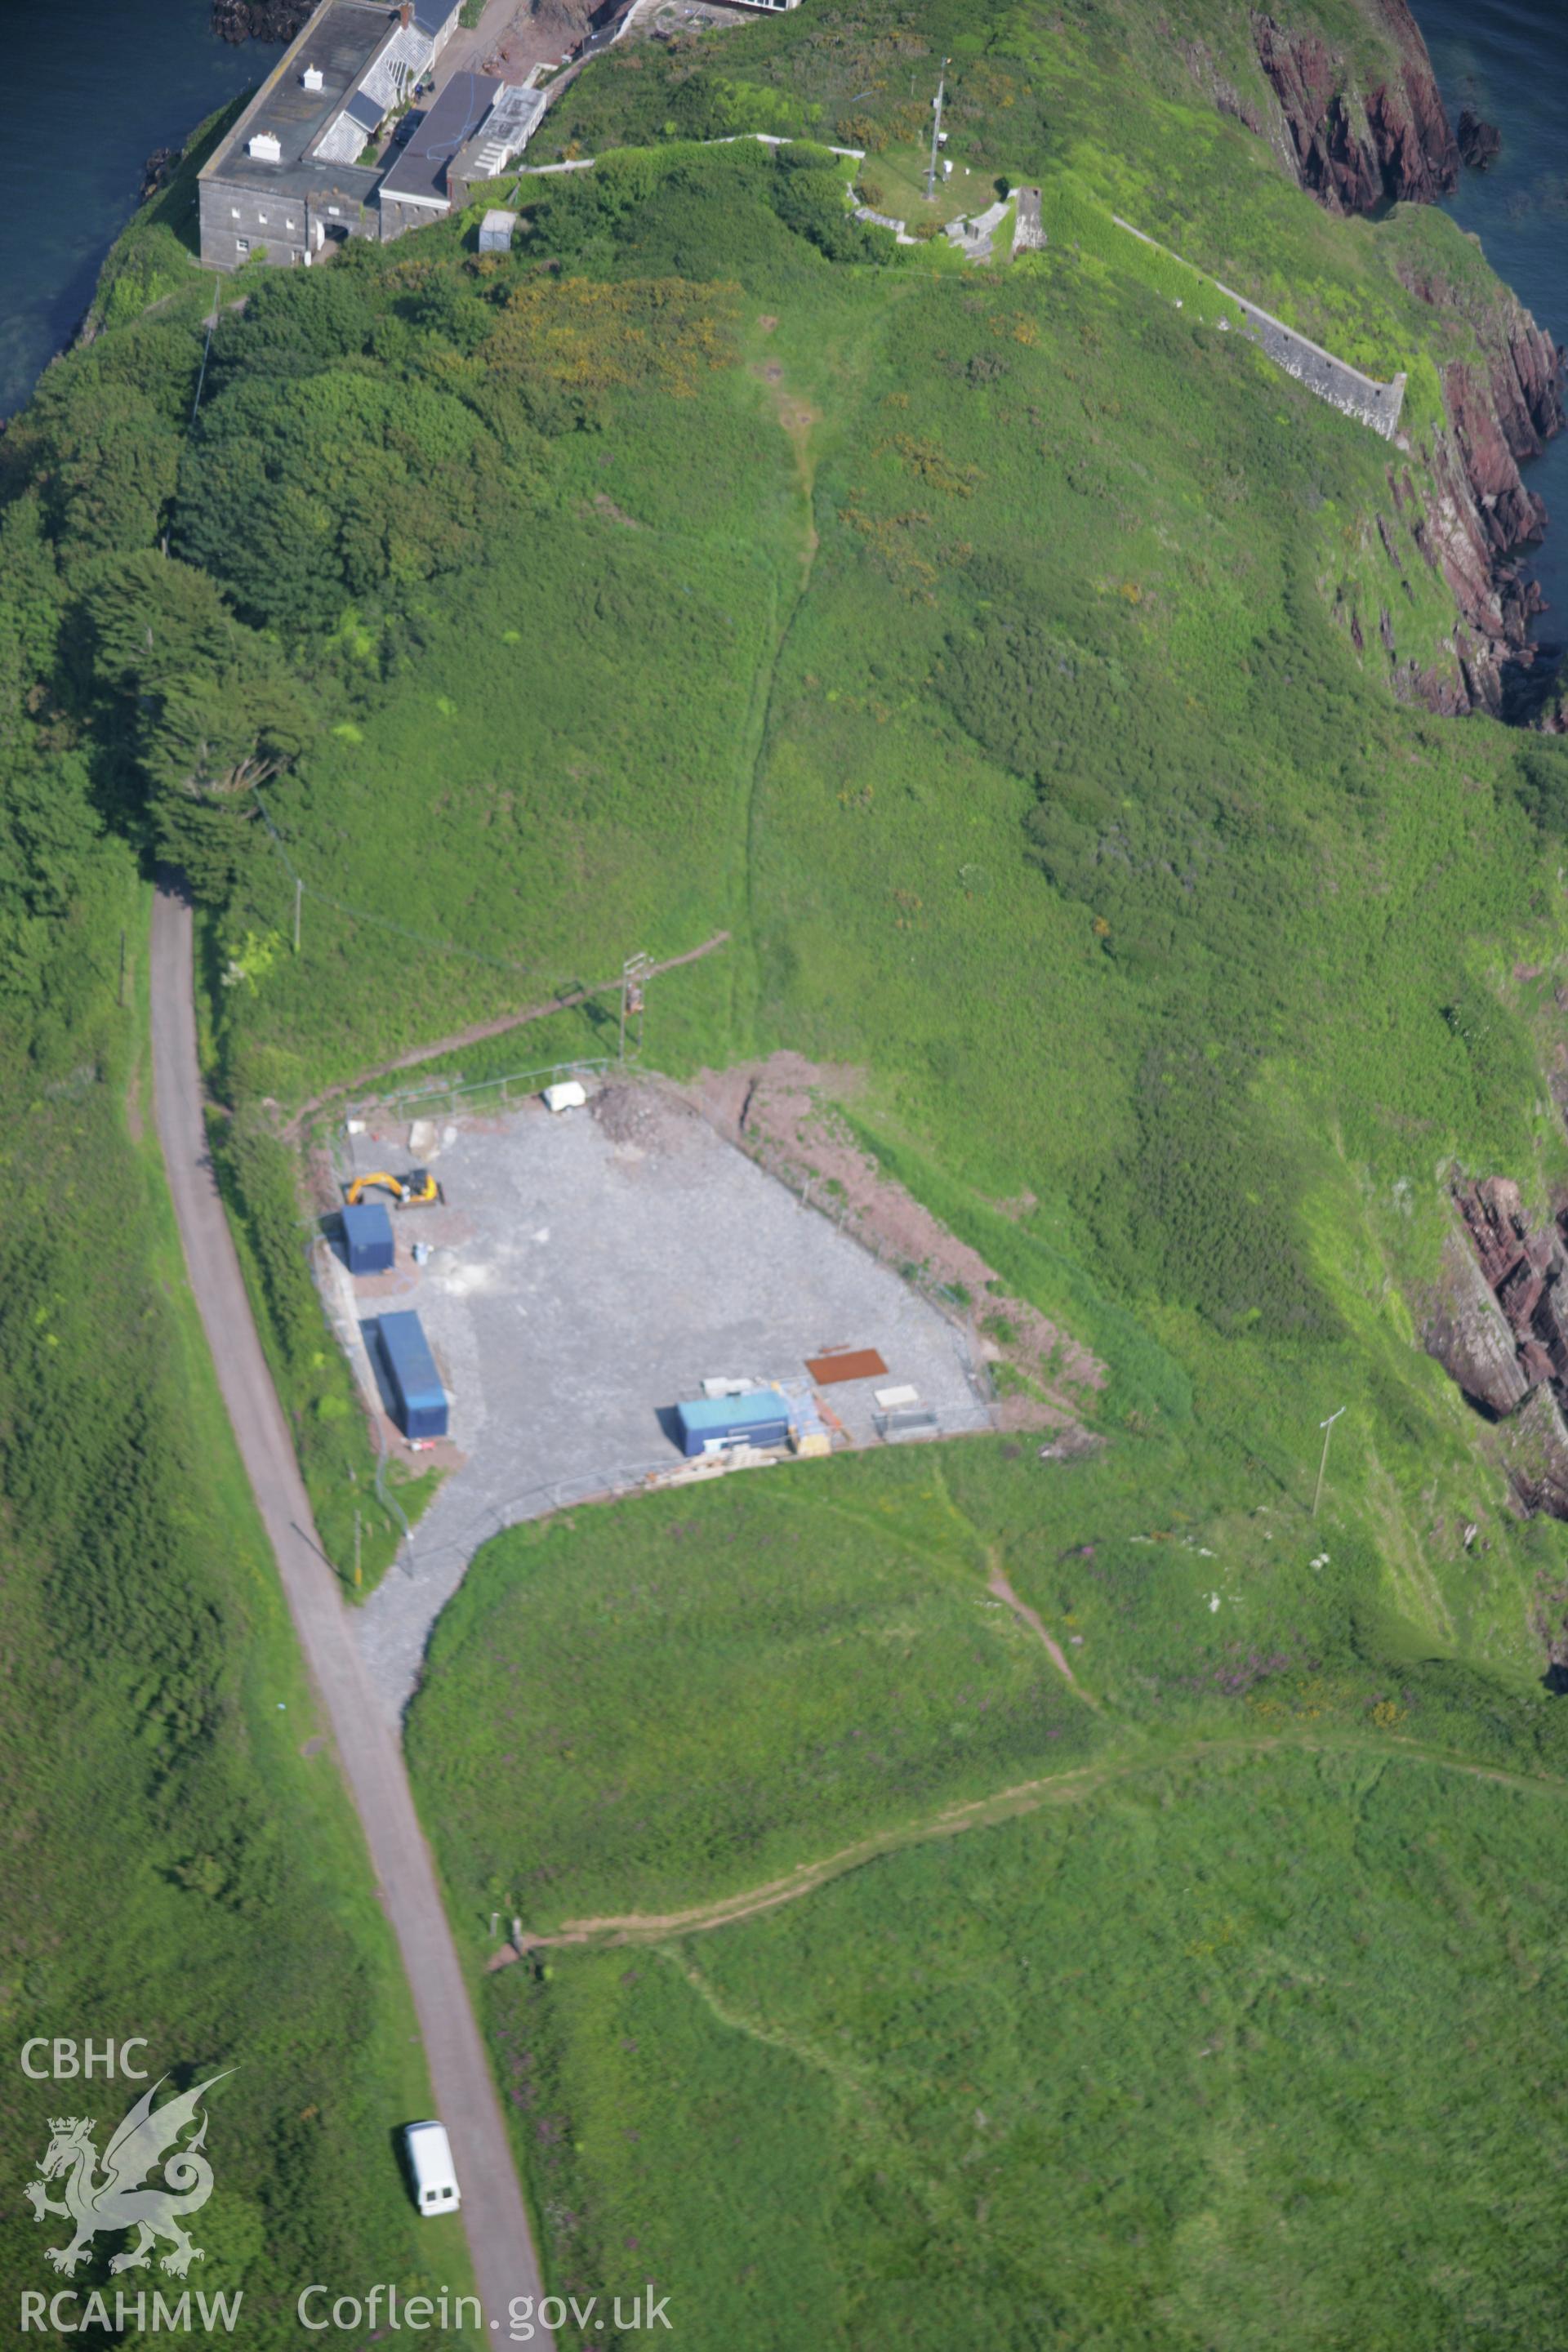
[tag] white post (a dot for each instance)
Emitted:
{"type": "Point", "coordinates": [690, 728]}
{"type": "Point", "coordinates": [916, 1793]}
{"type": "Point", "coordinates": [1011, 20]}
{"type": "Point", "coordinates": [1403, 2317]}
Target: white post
{"type": "Point", "coordinates": [1328, 1429]}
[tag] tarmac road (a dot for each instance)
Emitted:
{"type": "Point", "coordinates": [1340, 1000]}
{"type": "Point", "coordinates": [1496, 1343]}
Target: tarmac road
{"type": "Point", "coordinates": [493, 2212]}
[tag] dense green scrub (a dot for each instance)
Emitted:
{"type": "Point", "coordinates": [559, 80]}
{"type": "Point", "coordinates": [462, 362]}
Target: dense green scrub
{"type": "Point", "coordinates": [183, 1864]}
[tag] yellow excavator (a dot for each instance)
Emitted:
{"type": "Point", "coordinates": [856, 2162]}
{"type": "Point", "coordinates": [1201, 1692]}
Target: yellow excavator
{"type": "Point", "coordinates": [417, 1190]}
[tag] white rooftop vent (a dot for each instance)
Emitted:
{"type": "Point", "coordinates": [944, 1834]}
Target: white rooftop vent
{"type": "Point", "coordinates": [265, 148]}
{"type": "Point", "coordinates": [311, 77]}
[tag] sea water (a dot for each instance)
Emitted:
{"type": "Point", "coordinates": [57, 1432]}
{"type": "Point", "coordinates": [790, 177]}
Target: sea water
{"type": "Point", "coordinates": [95, 87]}
{"type": "Point", "coordinates": [1503, 58]}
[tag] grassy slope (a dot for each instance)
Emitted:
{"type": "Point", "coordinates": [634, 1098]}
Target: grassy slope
{"type": "Point", "coordinates": [183, 1870]}
{"type": "Point", "coordinates": [1150, 2073]}
{"type": "Point", "coordinates": [1062, 800]}
{"type": "Point", "coordinates": [664, 1703]}
{"type": "Point", "coordinates": [676, 1701]}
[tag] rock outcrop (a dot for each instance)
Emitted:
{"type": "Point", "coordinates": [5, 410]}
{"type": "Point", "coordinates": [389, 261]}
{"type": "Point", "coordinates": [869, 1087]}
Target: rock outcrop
{"type": "Point", "coordinates": [1480, 143]}
{"type": "Point", "coordinates": [1358, 150]}
{"type": "Point", "coordinates": [259, 20]}
{"type": "Point", "coordinates": [1500, 1329]}
{"type": "Point", "coordinates": [158, 171]}
{"type": "Point", "coordinates": [1471, 1337]}
{"type": "Point", "coordinates": [1535, 1456]}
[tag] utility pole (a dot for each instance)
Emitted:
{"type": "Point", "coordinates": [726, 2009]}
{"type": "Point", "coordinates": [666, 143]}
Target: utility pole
{"type": "Point", "coordinates": [936, 129]}
{"type": "Point", "coordinates": [356, 1546]}
{"type": "Point", "coordinates": [299, 895]}
{"type": "Point", "coordinates": [634, 995]}
{"type": "Point", "coordinates": [1328, 1429]}
{"type": "Point", "coordinates": [122, 969]}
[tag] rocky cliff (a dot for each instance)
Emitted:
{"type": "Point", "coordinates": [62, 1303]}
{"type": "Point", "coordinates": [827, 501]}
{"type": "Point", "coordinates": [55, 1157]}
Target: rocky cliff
{"type": "Point", "coordinates": [1500, 1328]}
{"type": "Point", "coordinates": [1501, 412]}
{"type": "Point", "coordinates": [1357, 149]}
{"type": "Point", "coordinates": [259, 20]}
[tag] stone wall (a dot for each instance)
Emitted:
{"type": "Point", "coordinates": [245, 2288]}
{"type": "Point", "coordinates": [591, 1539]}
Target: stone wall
{"type": "Point", "coordinates": [1372, 404]}
{"type": "Point", "coordinates": [1335, 381]}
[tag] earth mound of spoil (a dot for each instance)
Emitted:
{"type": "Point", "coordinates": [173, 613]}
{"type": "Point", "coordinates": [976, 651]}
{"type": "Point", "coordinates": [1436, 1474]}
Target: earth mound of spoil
{"type": "Point", "coordinates": [640, 1119]}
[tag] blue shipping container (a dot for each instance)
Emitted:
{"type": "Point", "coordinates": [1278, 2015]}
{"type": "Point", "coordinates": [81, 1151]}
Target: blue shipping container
{"type": "Point", "coordinates": [367, 1238]}
{"type": "Point", "coordinates": [415, 1382]}
{"type": "Point", "coordinates": [760, 1419]}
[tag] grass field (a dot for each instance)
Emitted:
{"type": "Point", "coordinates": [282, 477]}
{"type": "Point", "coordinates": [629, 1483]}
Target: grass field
{"type": "Point", "coordinates": [1240, 2051]}
{"type": "Point", "coordinates": [1097, 2018]}
{"type": "Point", "coordinates": [653, 1706]}
{"type": "Point", "coordinates": [648, 1705]}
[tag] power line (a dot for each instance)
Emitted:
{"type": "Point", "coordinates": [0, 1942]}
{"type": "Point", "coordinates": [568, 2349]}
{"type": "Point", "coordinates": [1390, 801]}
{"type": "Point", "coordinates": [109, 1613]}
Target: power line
{"type": "Point", "coordinates": [303, 889]}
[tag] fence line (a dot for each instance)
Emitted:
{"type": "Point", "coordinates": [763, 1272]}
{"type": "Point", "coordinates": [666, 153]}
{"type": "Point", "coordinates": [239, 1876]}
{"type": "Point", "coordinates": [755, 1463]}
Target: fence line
{"type": "Point", "coordinates": [423, 1098]}
{"type": "Point", "coordinates": [556, 1495]}
{"type": "Point", "coordinates": [538, 1502]}
{"type": "Point", "coordinates": [771, 1158]}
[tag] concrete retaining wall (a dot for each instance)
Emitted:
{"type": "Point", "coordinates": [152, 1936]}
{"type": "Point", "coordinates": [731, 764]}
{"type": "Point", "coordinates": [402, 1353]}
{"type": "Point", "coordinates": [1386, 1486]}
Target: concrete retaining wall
{"type": "Point", "coordinates": [1344, 387]}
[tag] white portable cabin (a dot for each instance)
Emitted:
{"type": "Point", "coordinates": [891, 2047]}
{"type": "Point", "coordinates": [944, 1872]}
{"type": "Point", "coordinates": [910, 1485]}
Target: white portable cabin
{"type": "Point", "coordinates": [430, 2161]}
{"type": "Point", "coordinates": [565, 1096]}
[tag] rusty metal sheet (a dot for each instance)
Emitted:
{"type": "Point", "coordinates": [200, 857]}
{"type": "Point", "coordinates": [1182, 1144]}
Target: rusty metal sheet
{"type": "Point", "coordinates": [848, 1364]}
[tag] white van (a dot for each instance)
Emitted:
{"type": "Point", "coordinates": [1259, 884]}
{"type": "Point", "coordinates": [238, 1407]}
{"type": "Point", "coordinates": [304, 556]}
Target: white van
{"type": "Point", "coordinates": [430, 2161]}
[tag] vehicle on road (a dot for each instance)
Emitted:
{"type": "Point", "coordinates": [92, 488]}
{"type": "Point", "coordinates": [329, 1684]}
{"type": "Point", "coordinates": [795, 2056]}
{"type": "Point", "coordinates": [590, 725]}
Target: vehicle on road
{"type": "Point", "coordinates": [430, 2155]}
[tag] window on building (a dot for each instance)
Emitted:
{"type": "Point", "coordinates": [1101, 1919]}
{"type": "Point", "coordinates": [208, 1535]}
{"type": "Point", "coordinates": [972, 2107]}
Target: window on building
{"type": "Point", "coordinates": [234, 212]}
{"type": "Point", "coordinates": [262, 218]}
{"type": "Point", "coordinates": [242, 244]}
{"type": "Point", "coordinates": [288, 225]}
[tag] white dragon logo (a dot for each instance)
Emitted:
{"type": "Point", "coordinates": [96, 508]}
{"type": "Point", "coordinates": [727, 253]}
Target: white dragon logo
{"type": "Point", "coordinates": [118, 2200]}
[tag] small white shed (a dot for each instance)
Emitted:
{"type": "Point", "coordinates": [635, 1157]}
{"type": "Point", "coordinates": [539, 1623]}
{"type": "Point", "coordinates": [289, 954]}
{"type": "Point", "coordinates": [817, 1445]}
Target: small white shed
{"type": "Point", "coordinates": [430, 2161]}
{"type": "Point", "coordinates": [495, 232]}
{"type": "Point", "coordinates": [566, 1095]}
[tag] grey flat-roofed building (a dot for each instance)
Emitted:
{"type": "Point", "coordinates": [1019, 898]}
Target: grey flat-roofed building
{"type": "Point", "coordinates": [415, 189]}
{"type": "Point", "coordinates": [504, 133]}
{"type": "Point", "coordinates": [264, 187]}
